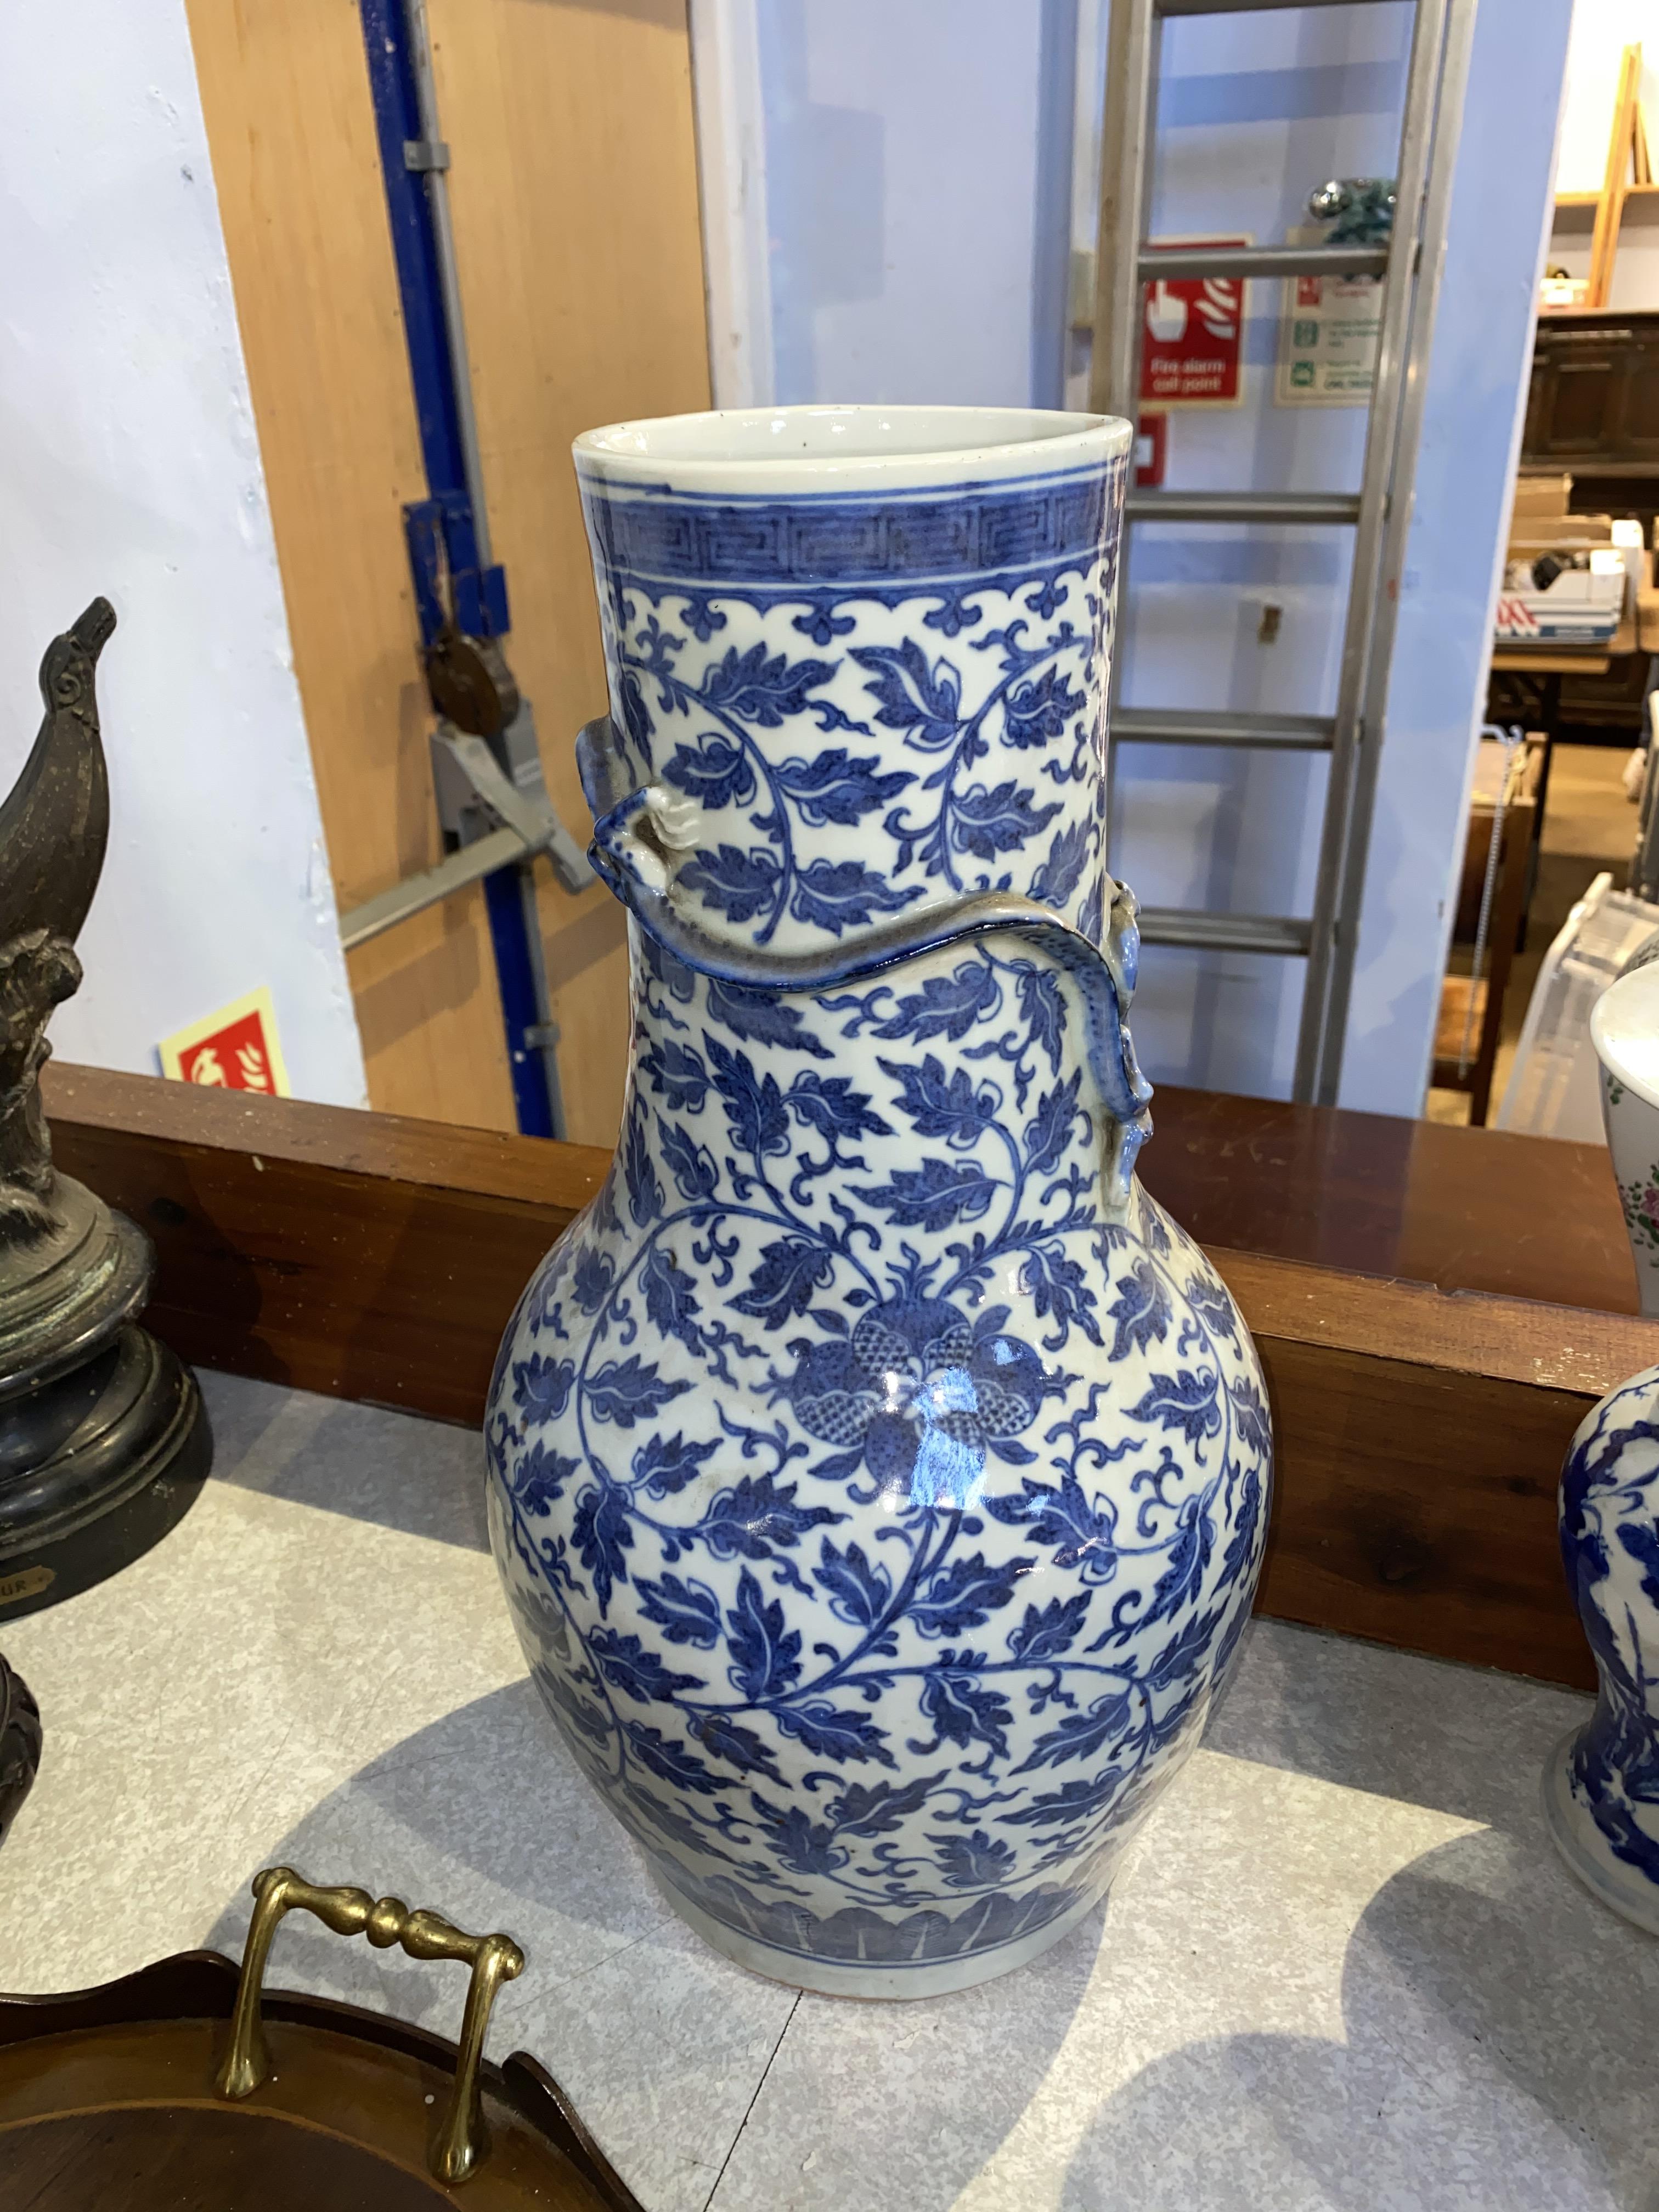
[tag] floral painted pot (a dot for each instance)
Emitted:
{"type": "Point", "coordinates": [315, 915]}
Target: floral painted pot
{"type": "Point", "coordinates": [1624, 1031]}
{"type": "Point", "coordinates": [878, 1476]}
{"type": "Point", "coordinates": [1602, 1784]}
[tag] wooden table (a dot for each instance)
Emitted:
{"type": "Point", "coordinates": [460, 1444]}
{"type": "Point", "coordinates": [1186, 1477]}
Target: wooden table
{"type": "Point", "coordinates": [1436, 1310]}
{"type": "Point", "coordinates": [1345, 1967]}
{"type": "Point", "coordinates": [1526, 660]}
{"type": "Point", "coordinates": [1637, 634]}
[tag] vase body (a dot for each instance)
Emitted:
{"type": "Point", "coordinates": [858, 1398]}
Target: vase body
{"type": "Point", "coordinates": [878, 1476]}
{"type": "Point", "coordinates": [1601, 1785]}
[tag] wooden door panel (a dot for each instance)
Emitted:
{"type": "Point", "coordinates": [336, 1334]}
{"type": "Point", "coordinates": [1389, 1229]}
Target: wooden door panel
{"type": "Point", "coordinates": [1635, 434]}
{"type": "Point", "coordinates": [578, 233]}
{"type": "Point", "coordinates": [574, 185]}
{"type": "Point", "coordinates": [1540, 399]}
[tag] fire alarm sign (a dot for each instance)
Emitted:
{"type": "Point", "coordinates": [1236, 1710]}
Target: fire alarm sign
{"type": "Point", "coordinates": [1192, 342]}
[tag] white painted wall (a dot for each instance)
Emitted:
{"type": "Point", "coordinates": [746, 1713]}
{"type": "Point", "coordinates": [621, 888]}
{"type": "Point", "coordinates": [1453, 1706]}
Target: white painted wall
{"type": "Point", "coordinates": [130, 465]}
{"type": "Point", "coordinates": [911, 155]}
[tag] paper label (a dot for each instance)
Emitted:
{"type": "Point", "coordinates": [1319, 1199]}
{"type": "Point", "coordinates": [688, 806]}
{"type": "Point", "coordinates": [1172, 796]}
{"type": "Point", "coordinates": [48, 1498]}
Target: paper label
{"type": "Point", "coordinates": [28, 1582]}
{"type": "Point", "coordinates": [1328, 335]}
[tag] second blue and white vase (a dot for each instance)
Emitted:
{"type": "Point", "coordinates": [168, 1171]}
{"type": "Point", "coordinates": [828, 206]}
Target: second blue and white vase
{"type": "Point", "coordinates": [1601, 1785]}
{"type": "Point", "coordinates": [878, 1476]}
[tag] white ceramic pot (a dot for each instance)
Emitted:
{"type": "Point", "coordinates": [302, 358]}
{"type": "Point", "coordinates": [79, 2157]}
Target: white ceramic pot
{"type": "Point", "coordinates": [1602, 1784]}
{"type": "Point", "coordinates": [1624, 1031]}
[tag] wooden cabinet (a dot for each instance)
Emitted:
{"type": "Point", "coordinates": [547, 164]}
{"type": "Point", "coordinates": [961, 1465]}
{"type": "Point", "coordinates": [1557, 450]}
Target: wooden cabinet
{"type": "Point", "coordinates": [1595, 394]}
{"type": "Point", "coordinates": [1637, 433]}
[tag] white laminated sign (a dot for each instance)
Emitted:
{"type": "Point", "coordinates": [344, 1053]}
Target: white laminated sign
{"type": "Point", "coordinates": [1328, 335]}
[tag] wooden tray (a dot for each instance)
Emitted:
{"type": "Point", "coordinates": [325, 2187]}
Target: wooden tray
{"type": "Point", "coordinates": [177, 2089]}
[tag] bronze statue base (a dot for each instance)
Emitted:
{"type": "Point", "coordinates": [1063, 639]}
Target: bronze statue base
{"type": "Point", "coordinates": [104, 1439]}
{"type": "Point", "coordinates": [131, 1467]}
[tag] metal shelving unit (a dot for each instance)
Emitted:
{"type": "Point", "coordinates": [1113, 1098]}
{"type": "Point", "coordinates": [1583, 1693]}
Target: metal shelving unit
{"type": "Point", "coordinates": [1378, 512]}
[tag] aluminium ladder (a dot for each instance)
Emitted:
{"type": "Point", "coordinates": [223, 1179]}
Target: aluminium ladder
{"type": "Point", "coordinates": [1379, 511]}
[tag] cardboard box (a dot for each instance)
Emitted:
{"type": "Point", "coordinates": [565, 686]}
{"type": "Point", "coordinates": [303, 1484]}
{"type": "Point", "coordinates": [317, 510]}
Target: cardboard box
{"type": "Point", "coordinates": [1544, 493]}
{"type": "Point", "coordinates": [1541, 533]}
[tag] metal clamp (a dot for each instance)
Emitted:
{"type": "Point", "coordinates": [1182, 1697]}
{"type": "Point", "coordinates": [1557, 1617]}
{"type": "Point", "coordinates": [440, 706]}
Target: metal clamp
{"type": "Point", "coordinates": [499, 819]}
{"type": "Point", "coordinates": [528, 811]}
{"type": "Point", "coordinates": [386, 1921]}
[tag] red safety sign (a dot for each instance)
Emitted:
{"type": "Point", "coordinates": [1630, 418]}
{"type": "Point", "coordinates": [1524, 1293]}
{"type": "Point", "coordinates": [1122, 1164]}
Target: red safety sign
{"type": "Point", "coordinates": [235, 1049]}
{"type": "Point", "coordinates": [1152, 451]}
{"type": "Point", "coordinates": [1193, 341]}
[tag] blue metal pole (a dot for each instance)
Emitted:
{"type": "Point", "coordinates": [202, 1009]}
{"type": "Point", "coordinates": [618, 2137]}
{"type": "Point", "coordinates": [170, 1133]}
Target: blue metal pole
{"type": "Point", "coordinates": [456, 584]}
{"type": "Point", "coordinates": [407, 158]}
{"type": "Point", "coordinates": [505, 900]}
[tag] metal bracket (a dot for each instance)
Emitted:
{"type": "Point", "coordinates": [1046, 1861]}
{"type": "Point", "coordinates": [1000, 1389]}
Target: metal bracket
{"type": "Point", "coordinates": [514, 789]}
{"type": "Point", "coordinates": [498, 814]}
{"type": "Point", "coordinates": [442, 534]}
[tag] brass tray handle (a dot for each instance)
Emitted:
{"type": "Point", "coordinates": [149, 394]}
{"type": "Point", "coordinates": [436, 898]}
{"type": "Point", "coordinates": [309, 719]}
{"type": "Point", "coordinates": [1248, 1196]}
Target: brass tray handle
{"type": "Point", "coordinates": [386, 1921]}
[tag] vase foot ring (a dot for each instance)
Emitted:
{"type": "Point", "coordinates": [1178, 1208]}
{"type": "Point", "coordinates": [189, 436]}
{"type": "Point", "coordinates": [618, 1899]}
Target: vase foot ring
{"type": "Point", "coordinates": [1586, 1850]}
{"type": "Point", "coordinates": [829, 1978]}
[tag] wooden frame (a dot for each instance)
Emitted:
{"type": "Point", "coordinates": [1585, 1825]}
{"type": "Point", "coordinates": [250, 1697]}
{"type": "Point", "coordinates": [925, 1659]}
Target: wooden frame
{"type": "Point", "coordinates": [1419, 1429]}
{"type": "Point", "coordinates": [1627, 150]}
{"type": "Point", "coordinates": [1474, 1003]}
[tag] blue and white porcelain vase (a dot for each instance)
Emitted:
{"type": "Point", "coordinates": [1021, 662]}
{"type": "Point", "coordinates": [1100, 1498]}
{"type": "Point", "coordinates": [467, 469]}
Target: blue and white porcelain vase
{"type": "Point", "coordinates": [878, 1477]}
{"type": "Point", "coordinates": [1601, 1785]}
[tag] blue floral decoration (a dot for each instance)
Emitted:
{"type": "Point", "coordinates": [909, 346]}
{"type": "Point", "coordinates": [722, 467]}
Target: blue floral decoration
{"type": "Point", "coordinates": [918, 1396]}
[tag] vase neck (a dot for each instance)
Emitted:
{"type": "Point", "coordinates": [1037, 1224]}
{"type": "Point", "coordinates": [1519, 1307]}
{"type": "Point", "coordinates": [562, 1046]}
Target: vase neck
{"type": "Point", "coordinates": [846, 707]}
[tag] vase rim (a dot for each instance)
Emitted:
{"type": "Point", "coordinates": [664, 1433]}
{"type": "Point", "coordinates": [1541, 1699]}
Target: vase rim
{"type": "Point", "coordinates": [1625, 1031]}
{"type": "Point", "coordinates": [763, 452]}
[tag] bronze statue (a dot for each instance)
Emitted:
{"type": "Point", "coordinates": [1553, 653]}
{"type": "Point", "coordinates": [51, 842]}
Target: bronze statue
{"type": "Point", "coordinates": [53, 829]}
{"type": "Point", "coordinates": [104, 1440]}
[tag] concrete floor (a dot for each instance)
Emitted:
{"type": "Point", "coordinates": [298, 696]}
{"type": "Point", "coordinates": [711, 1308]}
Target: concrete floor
{"type": "Point", "coordinates": [1589, 825]}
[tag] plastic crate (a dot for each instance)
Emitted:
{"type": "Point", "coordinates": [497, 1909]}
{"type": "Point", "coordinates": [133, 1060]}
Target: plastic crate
{"type": "Point", "coordinates": [1553, 1088]}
